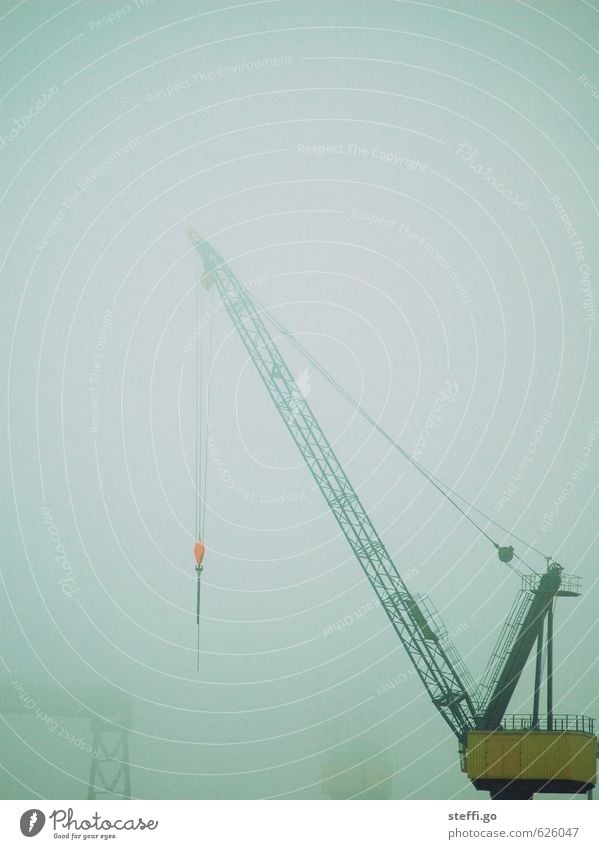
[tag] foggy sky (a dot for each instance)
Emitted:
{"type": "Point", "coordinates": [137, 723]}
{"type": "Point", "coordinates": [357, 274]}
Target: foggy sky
{"type": "Point", "coordinates": [408, 187]}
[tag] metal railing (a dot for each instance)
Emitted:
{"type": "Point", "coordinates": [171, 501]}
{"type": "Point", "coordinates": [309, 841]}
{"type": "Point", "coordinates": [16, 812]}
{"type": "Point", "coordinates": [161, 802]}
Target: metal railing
{"type": "Point", "coordinates": [438, 627]}
{"type": "Point", "coordinates": [569, 583]}
{"type": "Point", "coordinates": [505, 642]}
{"type": "Point", "coordinates": [560, 722]}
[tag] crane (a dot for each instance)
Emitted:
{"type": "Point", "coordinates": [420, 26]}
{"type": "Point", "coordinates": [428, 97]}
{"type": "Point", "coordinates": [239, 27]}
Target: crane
{"type": "Point", "coordinates": [416, 623]}
{"type": "Point", "coordinates": [110, 718]}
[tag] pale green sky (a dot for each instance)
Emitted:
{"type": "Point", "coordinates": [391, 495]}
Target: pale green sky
{"type": "Point", "coordinates": [411, 187]}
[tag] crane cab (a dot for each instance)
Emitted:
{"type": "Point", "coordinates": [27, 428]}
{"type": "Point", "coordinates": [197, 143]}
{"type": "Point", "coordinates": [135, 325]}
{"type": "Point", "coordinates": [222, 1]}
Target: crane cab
{"type": "Point", "coordinates": [518, 760]}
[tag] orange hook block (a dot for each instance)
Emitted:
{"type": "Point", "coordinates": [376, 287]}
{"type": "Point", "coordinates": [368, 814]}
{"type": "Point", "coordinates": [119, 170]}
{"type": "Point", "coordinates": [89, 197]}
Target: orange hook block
{"type": "Point", "coordinates": [199, 550]}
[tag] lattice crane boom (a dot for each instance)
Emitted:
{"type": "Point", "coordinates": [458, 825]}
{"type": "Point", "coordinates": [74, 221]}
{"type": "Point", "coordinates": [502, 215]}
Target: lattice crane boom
{"type": "Point", "coordinates": [431, 653]}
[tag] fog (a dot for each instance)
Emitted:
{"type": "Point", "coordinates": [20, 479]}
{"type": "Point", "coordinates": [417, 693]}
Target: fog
{"type": "Point", "coordinates": [339, 156]}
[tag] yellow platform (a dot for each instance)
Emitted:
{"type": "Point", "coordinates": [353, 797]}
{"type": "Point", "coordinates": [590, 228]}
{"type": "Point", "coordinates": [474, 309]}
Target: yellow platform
{"type": "Point", "coordinates": [532, 755]}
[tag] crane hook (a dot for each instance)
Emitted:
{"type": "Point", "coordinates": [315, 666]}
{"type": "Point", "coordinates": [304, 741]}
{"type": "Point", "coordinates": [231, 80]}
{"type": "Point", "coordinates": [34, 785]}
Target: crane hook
{"type": "Point", "coordinates": [199, 551]}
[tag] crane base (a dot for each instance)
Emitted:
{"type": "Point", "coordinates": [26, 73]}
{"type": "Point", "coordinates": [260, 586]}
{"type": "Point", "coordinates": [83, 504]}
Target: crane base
{"type": "Point", "coordinates": [522, 789]}
{"type": "Point", "coordinates": [517, 764]}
